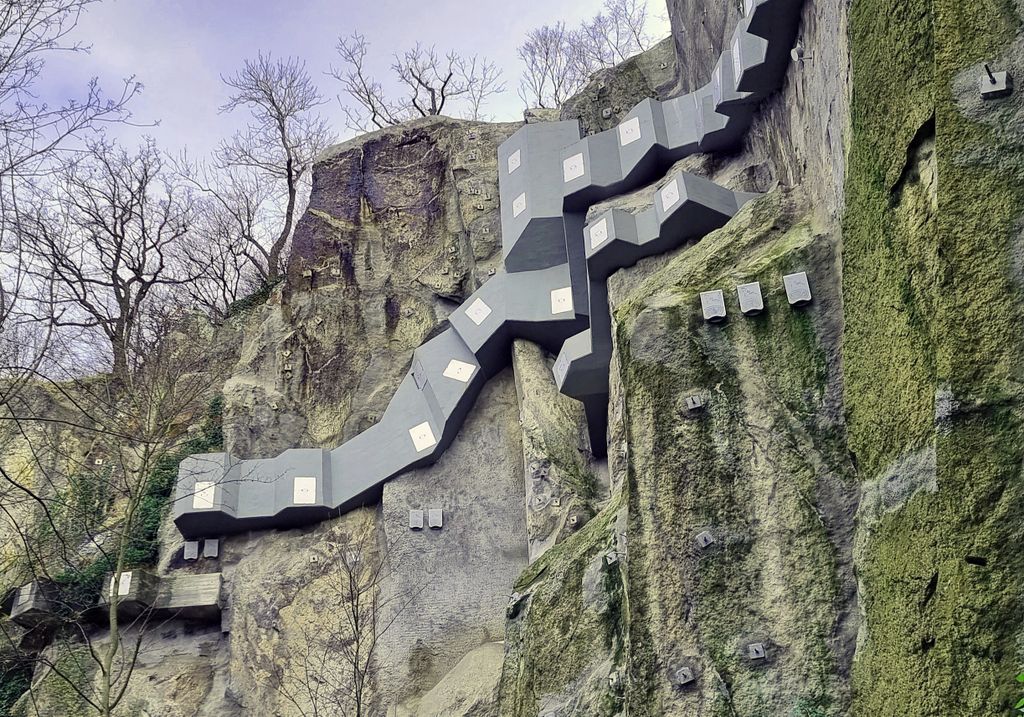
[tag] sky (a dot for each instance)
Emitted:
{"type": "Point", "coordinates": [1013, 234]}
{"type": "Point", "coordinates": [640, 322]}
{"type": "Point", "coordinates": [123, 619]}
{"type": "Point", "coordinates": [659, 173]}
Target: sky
{"type": "Point", "coordinates": [179, 49]}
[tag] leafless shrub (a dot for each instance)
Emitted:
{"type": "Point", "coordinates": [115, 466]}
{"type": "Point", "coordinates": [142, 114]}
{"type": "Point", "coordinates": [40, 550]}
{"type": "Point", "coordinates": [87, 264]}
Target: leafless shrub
{"type": "Point", "coordinates": [329, 670]}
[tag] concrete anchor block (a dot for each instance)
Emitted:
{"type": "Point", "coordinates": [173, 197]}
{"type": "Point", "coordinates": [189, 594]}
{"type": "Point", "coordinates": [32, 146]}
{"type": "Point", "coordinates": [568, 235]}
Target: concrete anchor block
{"type": "Point", "coordinates": [211, 548]}
{"type": "Point", "coordinates": [798, 290]}
{"type": "Point", "coordinates": [683, 676]}
{"type": "Point", "coordinates": [415, 520]}
{"type": "Point", "coordinates": [749, 295]}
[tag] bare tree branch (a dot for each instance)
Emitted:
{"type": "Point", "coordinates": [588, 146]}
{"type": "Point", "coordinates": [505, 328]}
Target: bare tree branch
{"type": "Point", "coordinates": [559, 61]}
{"type": "Point", "coordinates": [331, 669]}
{"type": "Point", "coordinates": [283, 139]}
{"type": "Point", "coordinates": [432, 84]}
{"type": "Point", "coordinates": [106, 232]}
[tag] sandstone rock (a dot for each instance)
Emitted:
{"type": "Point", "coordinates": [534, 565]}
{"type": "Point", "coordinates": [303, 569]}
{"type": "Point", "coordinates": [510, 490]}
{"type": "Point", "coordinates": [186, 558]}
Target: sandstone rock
{"type": "Point", "coordinates": [561, 476]}
{"type": "Point", "coordinates": [456, 581]}
{"type": "Point", "coordinates": [468, 690]}
{"type": "Point", "coordinates": [402, 223]}
{"type": "Point", "coordinates": [612, 92]}
{"type": "Point", "coordinates": [540, 114]}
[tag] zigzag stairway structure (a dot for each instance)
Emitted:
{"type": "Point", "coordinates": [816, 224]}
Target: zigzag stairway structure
{"type": "Point", "coordinates": [552, 290]}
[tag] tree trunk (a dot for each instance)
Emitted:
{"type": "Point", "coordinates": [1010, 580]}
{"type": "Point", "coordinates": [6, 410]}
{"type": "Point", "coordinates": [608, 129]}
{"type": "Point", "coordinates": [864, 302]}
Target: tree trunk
{"type": "Point", "coordinates": [119, 350]}
{"type": "Point", "coordinates": [274, 258]}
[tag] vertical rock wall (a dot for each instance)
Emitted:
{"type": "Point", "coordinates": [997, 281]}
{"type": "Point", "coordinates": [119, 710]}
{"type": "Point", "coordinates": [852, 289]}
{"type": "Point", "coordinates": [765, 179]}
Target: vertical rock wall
{"type": "Point", "coordinates": [933, 356]}
{"type": "Point", "coordinates": [455, 581]}
{"type": "Point", "coordinates": [614, 612]}
{"type": "Point", "coordinates": [857, 463]}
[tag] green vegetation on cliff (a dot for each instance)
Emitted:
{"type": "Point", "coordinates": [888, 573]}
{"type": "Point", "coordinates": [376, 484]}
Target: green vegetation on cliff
{"type": "Point", "coordinates": [932, 362]}
{"type": "Point", "coordinates": [754, 470]}
{"type": "Point", "coordinates": [565, 641]}
{"type": "Point", "coordinates": [890, 258]}
{"type": "Point", "coordinates": [80, 585]}
{"type": "Point", "coordinates": [764, 468]}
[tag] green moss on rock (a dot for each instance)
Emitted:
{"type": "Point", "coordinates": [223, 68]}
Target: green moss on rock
{"type": "Point", "coordinates": [559, 649]}
{"type": "Point", "coordinates": [933, 359]}
{"type": "Point", "coordinates": [53, 694]}
{"type": "Point", "coordinates": [752, 470]}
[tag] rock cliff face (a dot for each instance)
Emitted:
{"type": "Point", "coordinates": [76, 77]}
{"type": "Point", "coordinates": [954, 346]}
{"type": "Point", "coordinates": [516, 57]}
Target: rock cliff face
{"type": "Point", "coordinates": [402, 224]}
{"type": "Point", "coordinates": [932, 357]}
{"type": "Point", "coordinates": [764, 469]}
{"type": "Point", "coordinates": [857, 463]}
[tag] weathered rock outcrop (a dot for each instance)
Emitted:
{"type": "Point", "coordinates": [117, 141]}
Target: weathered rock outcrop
{"type": "Point", "coordinates": [857, 463]}
{"type": "Point", "coordinates": [765, 469]}
{"type": "Point", "coordinates": [402, 224]}
{"type": "Point", "coordinates": [613, 92]}
{"type": "Point", "coordinates": [932, 355]}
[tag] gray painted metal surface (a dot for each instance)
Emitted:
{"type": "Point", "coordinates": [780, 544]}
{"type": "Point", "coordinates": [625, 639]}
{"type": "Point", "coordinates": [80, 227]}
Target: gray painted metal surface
{"type": "Point", "coordinates": [32, 604]}
{"type": "Point", "coordinates": [552, 290]}
{"type": "Point", "coordinates": [993, 85]}
{"type": "Point", "coordinates": [798, 290]}
{"type": "Point", "coordinates": [751, 301]}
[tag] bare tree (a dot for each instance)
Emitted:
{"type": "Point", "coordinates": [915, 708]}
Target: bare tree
{"type": "Point", "coordinates": [33, 131]}
{"type": "Point", "coordinates": [228, 250]}
{"type": "Point", "coordinates": [283, 139]}
{"type": "Point", "coordinates": [558, 61]}
{"type": "Point", "coordinates": [331, 667]}
{"type": "Point", "coordinates": [614, 35]}
{"type": "Point", "coordinates": [36, 139]}
{"type": "Point", "coordinates": [105, 234]}
{"type": "Point", "coordinates": [77, 519]}
{"type": "Point", "coordinates": [57, 183]}
{"type": "Point", "coordinates": [432, 84]}
{"type": "Point", "coordinates": [483, 81]}
{"type": "Point", "coordinates": [372, 108]}
{"type": "Point", "coordinates": [553, 70]}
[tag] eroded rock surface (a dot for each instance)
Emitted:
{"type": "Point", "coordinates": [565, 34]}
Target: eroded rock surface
{"type": "Point", "coordinates": [856, 463]}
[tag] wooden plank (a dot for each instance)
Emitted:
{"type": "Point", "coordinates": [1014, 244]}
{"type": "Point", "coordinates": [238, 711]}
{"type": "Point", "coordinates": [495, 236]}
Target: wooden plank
{"type": "Point", "coordinates": [196, 596]}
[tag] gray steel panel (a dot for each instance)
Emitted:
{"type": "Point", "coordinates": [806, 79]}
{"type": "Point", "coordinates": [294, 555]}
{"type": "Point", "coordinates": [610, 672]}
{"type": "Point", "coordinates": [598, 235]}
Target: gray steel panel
{"type": "Point", "coordinates": [749, 295]}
